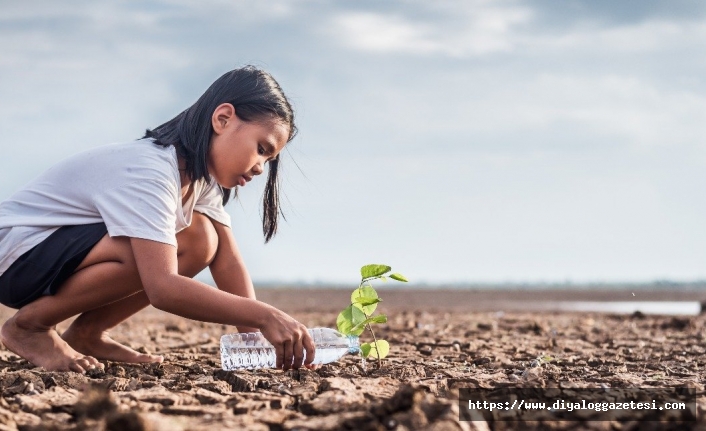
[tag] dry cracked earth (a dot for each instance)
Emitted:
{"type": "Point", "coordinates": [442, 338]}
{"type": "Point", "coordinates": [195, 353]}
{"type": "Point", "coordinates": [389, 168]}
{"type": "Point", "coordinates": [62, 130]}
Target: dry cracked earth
{"type": "Point", "coordinates": [432, 356]}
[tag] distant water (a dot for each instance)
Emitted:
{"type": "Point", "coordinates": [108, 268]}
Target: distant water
{"type": "Point", "coordinates": [689, 308]}
{"type": "Point", "coordinates": [638, 286]}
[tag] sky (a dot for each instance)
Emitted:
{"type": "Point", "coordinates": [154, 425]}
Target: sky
{"type": "Point", "coordinates": [469, 141]}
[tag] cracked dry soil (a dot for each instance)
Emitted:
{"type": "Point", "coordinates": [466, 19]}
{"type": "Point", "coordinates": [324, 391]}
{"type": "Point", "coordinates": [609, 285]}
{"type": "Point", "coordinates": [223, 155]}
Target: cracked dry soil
{"type": "Point", "coordinates": [433, 354]}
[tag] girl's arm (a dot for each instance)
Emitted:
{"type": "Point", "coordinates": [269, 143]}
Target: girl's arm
{"type": "Point", "coordinates": [171, 292]}
{"type": "Point", "coordinates": [229, 271]}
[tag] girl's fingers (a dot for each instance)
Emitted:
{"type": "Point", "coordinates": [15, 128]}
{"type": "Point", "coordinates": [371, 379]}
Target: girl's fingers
{"type": "Point", "coordinates": [288, 353]}
{"type": "Point", "coordinates": [279, 349]}
{"type": "Point", "coordinates": [298, 354]}
{"type": "Point", "coordinates": [310, 348]}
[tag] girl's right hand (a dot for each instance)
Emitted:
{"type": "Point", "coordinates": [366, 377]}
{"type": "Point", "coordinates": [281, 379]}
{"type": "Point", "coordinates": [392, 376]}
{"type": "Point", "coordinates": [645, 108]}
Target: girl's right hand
{"type": "Point", "coordinates": [290, 338]}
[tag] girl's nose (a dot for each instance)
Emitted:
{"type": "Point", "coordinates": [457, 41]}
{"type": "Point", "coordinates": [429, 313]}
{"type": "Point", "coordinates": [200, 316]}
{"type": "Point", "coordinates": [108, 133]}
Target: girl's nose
{"type": "Point", "coordinates": [257, 169]}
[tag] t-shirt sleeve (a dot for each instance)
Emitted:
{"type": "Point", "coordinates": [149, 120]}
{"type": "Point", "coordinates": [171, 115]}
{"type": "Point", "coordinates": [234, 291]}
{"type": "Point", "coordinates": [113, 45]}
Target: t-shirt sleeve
{"type": "Point", "coordinates": [140, 209]}
{"type": "Point", "coordinates": [210, 203]}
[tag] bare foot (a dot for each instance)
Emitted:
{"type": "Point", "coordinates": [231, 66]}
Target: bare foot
{"type": "Point", "coordinates": [102, 346]}
{"type": "Point", "coordinates": [44, 348]}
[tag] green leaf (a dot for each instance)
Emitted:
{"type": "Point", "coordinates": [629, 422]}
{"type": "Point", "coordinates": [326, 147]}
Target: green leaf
{"type": "Point", "coordinates": [365, 349]}
{"type": "Point", "coordinates": [367, 301]}
{"type": "Point", "coordinates": [380, 318]}
{"type": "Point", "coordinates": [364, 292]}
{"type": "Point", "coordinates": [374, 270]}
{"type": "Point", "coordinates": [398, 277]}
{"type": "Point", "coordinates": [365, 298]}
{"type": "Point", "coordinates": [383, 348]}
{"type": "Point", "coordinates": [348, 319]}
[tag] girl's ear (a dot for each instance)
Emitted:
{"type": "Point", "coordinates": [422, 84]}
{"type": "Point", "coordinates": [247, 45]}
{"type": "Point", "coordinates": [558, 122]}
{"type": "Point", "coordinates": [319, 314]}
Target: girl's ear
{"type": "Point", "coordinates": [222, 115]}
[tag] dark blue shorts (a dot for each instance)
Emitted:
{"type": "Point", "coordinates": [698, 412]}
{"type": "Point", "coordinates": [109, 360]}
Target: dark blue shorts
{"type": "Point", "coordinates": [44, 268]}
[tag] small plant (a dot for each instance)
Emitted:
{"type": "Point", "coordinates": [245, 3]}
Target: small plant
{"type": "Point", "coordinates": [359, 315]}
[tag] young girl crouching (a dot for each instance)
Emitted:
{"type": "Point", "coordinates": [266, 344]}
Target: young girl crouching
{"type": "Point", "coordinates": [111, 230]}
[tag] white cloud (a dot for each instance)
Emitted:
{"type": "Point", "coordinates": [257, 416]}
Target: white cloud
{"type": "Point", "coordinates": [643, 37]}
{"type": "Point", "coordinates": [464, 29]}
{"type": "Point", "coordinates": [469, 29]}
{"type": "Point", "coordinates": [374, 32]}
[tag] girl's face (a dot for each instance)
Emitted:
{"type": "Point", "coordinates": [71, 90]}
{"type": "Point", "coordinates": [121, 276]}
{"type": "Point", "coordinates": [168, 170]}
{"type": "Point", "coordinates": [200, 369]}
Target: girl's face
{"type": "Point", "coordinates": [240, 149]}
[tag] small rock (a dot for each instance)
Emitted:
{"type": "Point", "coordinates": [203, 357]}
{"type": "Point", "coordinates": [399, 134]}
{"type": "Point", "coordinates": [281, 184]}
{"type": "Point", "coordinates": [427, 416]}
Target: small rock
{"type": "Point", "coordinates": [595, 362]}
{"type": "Point", "coordinates": [425, 350]}
{"type": "Point", "coordinates": [482, 361]}
{"type": "Point", "coordinates": [485, 326]}
{"type": "Point", "coordinates": [175, 328]}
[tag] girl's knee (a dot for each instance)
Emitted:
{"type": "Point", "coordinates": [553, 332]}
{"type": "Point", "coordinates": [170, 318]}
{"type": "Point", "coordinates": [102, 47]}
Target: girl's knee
{"type": "Point", "coordinates": [198, 243]}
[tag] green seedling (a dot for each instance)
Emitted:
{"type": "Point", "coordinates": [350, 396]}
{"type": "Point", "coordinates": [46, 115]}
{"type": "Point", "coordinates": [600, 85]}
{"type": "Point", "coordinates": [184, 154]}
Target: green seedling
{"type": "Point", "coordinates": [358, 316]}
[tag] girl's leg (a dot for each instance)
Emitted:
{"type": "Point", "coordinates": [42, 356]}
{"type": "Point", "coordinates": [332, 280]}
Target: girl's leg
{"type": "Point", "coordinates": [88, 334]}
{"type": "Point", "coordinates": [106, 279]}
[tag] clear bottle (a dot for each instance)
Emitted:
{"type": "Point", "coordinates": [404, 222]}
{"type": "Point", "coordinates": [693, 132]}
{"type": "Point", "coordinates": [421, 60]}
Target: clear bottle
{"type": "Point", "coordinates": [251, 350]}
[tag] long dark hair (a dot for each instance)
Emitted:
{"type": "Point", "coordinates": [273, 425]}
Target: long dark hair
{"type": "Point", "coordinates": [256, 96]}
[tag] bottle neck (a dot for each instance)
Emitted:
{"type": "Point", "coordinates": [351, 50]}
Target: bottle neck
{"type": "Point", "coordinates": [353, 344]}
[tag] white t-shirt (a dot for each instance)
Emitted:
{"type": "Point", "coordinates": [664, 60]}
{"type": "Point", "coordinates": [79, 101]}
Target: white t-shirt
{"type": "Point", "coordinates": [134, 188]}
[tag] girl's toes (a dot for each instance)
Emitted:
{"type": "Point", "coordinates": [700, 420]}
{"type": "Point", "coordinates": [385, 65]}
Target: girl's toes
{"type": "Point", "coordinates": [79, 366]}
{"type": "Point", "coordinates": [88, 363]}
{"type": "Point", "coordinates": [93, 362]}
{"type": "Point", "coordinates": [150, 358]}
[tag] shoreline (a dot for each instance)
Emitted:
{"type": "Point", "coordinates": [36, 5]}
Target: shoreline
{"type": "Point", "coordinates": [475, 300]}
{"type": "Point", "coordinates": [397, 299]}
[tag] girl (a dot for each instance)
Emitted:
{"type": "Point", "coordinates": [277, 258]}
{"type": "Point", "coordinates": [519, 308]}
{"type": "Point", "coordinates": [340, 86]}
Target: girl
{"type": "Point", "coordinates": [111, 230]}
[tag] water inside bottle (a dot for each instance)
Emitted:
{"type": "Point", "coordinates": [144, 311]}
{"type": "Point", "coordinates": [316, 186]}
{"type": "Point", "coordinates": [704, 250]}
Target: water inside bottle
{"type": "Point", "coordinates": [250, 351]}
{"type": "Point", "coordinates": [257, 357]}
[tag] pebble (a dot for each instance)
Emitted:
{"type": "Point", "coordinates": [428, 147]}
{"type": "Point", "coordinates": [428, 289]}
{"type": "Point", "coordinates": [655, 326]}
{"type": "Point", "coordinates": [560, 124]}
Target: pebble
{"type": "Point", "coordinates": [425, 350]}
{"type": "Point", "coordinates": [481, 361]}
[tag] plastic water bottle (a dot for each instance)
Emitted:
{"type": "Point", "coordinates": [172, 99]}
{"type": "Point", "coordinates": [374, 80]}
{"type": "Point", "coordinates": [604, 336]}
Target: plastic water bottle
{"type": "Point", "coordinates": [251, 350]}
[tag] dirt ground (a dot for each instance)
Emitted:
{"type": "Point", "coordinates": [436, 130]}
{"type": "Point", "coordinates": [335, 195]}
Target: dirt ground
{"type": "Point", "coordinates": [433, 354]}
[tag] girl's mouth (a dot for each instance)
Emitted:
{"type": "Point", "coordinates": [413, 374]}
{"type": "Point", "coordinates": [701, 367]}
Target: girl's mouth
{"type": "Point", "coordinates": [244, 179]}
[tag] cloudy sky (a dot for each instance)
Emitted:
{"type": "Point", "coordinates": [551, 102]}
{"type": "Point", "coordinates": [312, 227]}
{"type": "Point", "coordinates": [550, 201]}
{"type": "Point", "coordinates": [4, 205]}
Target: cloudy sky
{"type": "Point", "coordinates": [458, 141]}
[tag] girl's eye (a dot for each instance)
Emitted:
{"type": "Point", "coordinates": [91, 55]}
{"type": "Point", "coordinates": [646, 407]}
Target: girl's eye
{"type": "Point", "coordinates": [260, 150]}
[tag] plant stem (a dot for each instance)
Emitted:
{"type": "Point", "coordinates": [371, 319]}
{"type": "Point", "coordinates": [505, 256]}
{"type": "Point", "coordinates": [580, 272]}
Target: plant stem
{"type": "Point", "coordinates": [375, 341]}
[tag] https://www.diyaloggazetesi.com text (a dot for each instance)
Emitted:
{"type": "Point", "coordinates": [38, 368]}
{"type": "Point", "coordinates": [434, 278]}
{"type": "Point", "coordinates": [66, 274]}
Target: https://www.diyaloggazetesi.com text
{"type": "Point", "coordinates": [512, 404]}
